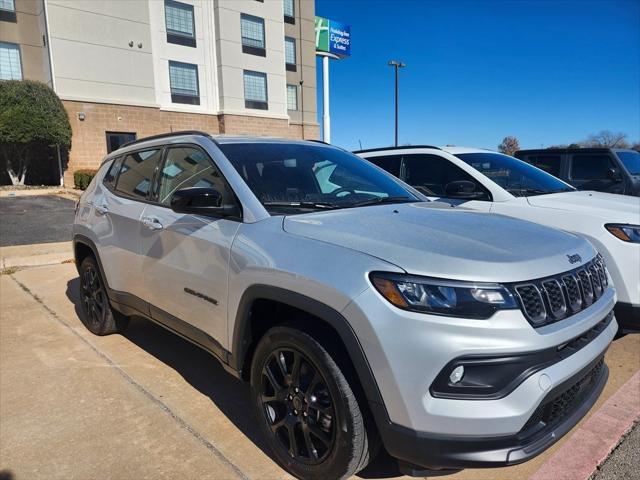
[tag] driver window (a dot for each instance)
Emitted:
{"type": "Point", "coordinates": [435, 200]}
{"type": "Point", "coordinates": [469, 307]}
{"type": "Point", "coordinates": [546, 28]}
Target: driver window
{"type": "Point", "coordinates": [187, 167]}
{"type": "Point", "coordinates": [430, 174]}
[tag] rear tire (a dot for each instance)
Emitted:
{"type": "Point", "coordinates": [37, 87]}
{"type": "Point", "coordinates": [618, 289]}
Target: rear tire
{"type": "Point", "coordinates": [97, 314]}
{"type": "Point", "coordinates": [306, 409]}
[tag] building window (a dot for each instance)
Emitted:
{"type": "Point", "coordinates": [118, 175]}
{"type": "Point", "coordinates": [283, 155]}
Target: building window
{"type": "Point", "coordinates": [289, 11]}
{"type": "Point", "coordinates": [7, 10]}
{"type": "Point", "coordinates": [290, 53]}
{"type": "Point", "coordinates": [116, 139]}
{"type": "Point", "coordinates": [10, 65]}
{"type": "Point", "coordinates": [255, 90]}
{"type": "Point", "coordinates": [292, 97]}
{"type": "Point", "coordinates": [180, 23]}
{"type": "Point", "coordinates": [252, 31]}
{"type": "Point", "coordinates": [183, 78]}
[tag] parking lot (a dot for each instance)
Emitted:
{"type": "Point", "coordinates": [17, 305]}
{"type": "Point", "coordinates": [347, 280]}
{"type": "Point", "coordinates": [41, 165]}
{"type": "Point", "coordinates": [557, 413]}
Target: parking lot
{"type": "Point", "coordinates": [151, 405]}
{"type": "Point", "coordinates": [35, 219]}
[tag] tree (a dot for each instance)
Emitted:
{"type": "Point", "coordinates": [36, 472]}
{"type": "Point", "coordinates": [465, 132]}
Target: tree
{"type": "Point", "coordinates": [30, 114]}
{"type": "Point", "coordinates": [509, 145]}
{"type": "Point", "coordinates": [608, 139]}
{"type": "Point", "coordinates": [636, 146]}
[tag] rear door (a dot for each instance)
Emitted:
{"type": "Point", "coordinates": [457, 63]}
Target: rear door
{"type": "Point", "coordinates": [591, 171]}
{"type": "Point", "coordinates": [120, 206]}
{"type": "Point", "coordinates": [185, 258]}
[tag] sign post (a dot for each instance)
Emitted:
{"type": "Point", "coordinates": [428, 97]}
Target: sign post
{"type": "Point", "coordinates": [333, 40]}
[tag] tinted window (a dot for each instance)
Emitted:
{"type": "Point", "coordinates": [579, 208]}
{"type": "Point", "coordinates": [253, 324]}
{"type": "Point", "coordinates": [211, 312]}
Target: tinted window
{"type": "Point", "coordinates": [517, 177]}
{"type": "Point", "coordinates": [110, 178]}
{"type": "Point", "coordinates": [390, 163]}
{"type": "Point", "coordinates": [631, 161]}
{"type": "Point", "coordinates": [431, 173]}
{"type": "Point", "coordinates": [590, 167]}
{"type": "Point", "coordinates": [187, 167]}
{"type": "Point", "coordinates": [116, 139]}
{"type": "Point", "coordinates": [136, 173]}
{"type": "Point", "coordinates": [548, 163]}
{"type": "Point", "coordinates": [291, 173]}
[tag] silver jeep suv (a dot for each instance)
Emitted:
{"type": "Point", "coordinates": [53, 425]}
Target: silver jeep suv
{"type": "Point", "coordinates": [362, 314]}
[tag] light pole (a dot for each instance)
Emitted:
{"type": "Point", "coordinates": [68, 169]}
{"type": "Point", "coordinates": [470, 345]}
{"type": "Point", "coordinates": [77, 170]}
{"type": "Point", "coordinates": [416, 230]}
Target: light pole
{"type": "Point", "coordinates": [396, 65]}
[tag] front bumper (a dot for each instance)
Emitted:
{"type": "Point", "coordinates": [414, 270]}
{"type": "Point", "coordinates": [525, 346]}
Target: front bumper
{"type": "Point", "coordinates": [407, 351]}
{"type": "Point", "coordinates": [562, 407]}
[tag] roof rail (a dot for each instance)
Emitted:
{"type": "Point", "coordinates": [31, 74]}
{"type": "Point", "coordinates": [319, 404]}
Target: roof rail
{"type": "Point", "coordinates": [164, 135]}
{"type": "Point", "coordinates": [317, 141]}
{"type": "Point", "coordinates": [405, 147]}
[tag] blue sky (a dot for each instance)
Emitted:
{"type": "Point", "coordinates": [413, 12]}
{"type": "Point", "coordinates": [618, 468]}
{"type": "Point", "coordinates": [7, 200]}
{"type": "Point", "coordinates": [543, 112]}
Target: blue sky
{"type": "Point", "coordinates": [548, 72]}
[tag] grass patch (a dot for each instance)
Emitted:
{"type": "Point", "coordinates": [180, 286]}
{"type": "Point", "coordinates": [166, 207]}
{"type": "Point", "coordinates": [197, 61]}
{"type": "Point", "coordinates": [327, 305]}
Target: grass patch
{"type": "Point", "coordinates": [9, 270]}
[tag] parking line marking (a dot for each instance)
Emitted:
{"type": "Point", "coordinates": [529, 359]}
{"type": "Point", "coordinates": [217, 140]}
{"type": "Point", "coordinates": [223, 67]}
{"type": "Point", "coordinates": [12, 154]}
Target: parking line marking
{"type": "Point", "coordinates": [164, 407]}
{"type": "Point", "coordinates": [595, 439]}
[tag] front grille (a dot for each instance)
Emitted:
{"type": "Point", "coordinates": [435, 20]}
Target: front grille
{"type": "Point", "coordinates": [553, 298]}
{"type": "Point", "coordinates": [552, 412]}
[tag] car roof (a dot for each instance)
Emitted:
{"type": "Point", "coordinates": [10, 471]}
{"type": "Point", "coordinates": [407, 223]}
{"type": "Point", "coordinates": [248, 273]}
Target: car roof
{"type": "Point", "coordinates": [219, 139]}
{"type": "Point", "coordinates": [453, 150]}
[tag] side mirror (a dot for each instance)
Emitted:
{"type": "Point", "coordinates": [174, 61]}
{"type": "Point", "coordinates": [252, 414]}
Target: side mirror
{"type": "Point", "coordinates": [614, 174]}
{"type": "Point", "coordinates": [463, 189]}
{"type": "Point", "coordinates": [201, 201]}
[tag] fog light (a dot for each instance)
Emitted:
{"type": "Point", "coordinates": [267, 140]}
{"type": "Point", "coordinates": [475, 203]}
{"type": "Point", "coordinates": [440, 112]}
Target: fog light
{"type": "Point", "coordinates": [457, 374]}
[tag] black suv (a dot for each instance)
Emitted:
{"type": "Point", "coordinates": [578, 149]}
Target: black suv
{"type": "Point", "coordinates": [611, 170]}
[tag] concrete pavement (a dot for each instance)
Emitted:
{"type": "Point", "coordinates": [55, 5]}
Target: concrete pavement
{"type": "Point", "coordinates": [145, 404]}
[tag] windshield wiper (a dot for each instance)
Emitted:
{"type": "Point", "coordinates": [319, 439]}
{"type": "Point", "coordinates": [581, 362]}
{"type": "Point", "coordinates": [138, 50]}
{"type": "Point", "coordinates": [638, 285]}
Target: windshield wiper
{"type": "Point", "coordinates": [302, 204]}
{"type": "Point", "coordinates": [380, 200]}
{"type": "Point", "coordinates": [527, 191]}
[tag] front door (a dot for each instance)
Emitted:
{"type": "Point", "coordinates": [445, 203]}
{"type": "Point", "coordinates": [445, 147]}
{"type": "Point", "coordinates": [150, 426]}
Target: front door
{"type": "Point", "coordinates": [185, 258]}
{"type": "Point", "coordinates": [593, 171]}
{"type": "Point", "coordinates": [432, 173]}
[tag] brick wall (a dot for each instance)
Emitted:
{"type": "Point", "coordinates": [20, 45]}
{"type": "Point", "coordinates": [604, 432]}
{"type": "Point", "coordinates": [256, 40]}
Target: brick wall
{"type": "Point", "coordinates": [89, 145]}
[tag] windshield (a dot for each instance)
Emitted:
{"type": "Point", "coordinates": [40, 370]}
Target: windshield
{"type": "Point", "coordinates": [515, 176]}
{"type": "Point", "coordinates": [294, 177]}
{"type": "Point", "coordinates": [631, 161]}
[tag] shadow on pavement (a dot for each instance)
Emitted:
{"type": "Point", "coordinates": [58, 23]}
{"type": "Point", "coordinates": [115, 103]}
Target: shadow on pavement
{"type": "Point", "coordinates": [203, 372]}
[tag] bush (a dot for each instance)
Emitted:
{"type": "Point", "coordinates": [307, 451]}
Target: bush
{"type": "Point", "coordinates": [82, 178]}
{"type": "Point", "coordinates": [31, 115]}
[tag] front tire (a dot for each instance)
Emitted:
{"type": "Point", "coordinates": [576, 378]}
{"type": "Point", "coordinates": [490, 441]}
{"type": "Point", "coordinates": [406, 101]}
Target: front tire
{"type": "Point", "coordinates": [306, 409]}
{"type": "Point", "coordinates": [97, 314]}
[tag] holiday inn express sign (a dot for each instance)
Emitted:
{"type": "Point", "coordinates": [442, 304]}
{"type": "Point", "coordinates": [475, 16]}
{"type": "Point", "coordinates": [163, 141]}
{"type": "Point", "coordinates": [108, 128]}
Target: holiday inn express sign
{"type": "Point", "coordinates": [333, 37]}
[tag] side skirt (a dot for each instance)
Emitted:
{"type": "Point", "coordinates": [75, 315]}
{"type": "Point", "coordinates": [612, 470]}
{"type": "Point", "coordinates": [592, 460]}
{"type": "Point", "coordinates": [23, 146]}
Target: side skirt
{"type": "Point", "coordinates": [131, 305]}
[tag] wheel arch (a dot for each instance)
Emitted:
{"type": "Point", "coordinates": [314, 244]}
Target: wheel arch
{"type": "Point", "coordinates": [246, 335]}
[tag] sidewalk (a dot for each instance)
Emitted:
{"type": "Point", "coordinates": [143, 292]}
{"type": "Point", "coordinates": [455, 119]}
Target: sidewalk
{"type": "Point", "coordinates": [35, 255]}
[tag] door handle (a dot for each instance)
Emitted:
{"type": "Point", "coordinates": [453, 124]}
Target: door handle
{"type": "Point", "coordinates": [152, 223]}
{"type": "Point", "coordinates": [101, 209]}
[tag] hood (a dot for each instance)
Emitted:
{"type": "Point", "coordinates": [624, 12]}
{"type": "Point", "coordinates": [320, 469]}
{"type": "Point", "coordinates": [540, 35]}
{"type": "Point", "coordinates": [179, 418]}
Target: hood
{"type": "Point", "coordinates": [446, 243]}
{"type": "Point", "coordinates": [609, 206]}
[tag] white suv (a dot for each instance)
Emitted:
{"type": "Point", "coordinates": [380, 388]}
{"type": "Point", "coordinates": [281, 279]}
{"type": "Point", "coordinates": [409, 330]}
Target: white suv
{"type": "Point", "coordinates": [357, 310]}
{"type": "Point", "coordinates": [492, 182]}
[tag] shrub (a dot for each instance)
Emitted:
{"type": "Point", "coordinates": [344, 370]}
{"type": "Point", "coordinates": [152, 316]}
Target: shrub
{"type": "Point", "coordinates": [82, 178]}
{"type": "Point", "coordinates": [31, 114]}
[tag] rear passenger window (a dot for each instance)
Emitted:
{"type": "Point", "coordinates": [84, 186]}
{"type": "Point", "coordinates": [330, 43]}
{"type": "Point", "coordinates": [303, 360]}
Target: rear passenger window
{"type": "Point", "coordinates": [590, 167]}
{"type": "Point", "coordinates": [136, 173]}
{"type": "Point", "coordinates": [548, 163]}
{"type": "Point", "coordinates": [187, 167]}
{"type": "Point", "coordinates": [390, 163]}
{"type": "Point", "coordinates": [110, 178]}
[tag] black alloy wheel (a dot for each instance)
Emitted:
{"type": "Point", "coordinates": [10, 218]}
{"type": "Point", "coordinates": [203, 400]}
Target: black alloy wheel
{"type": "Point", "coordinates": [97, 314]}
{"type": "Point", "coordinates": [93, 295]}
{"type": "Point", "coordinates": [298, 406]}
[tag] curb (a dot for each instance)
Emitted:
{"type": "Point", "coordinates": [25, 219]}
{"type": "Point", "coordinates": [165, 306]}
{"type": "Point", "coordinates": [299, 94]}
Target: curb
{"type": "Point", "coordinates": [592, 442]}
{"type": "Point", "coordinates": [35, 255]}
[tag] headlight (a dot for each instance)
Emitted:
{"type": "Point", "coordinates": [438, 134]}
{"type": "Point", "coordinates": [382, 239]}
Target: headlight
{"type": "Point", "coordinates": [443, 297]}
{"type": "Point", "coordinates": [626, 233]}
